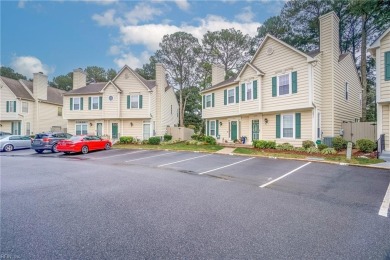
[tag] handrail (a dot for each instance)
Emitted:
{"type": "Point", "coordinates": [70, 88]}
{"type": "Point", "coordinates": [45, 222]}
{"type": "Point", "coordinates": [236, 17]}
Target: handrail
{"type": "Point", "coordinates": [380, 144]}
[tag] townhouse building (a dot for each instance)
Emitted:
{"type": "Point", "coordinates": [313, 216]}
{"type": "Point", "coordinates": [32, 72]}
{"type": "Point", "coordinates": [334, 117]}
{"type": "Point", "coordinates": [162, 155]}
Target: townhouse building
{"type": "Point", "coordinates": [284, 94]}
{"type": "Point", "coordinates": [128, 105]}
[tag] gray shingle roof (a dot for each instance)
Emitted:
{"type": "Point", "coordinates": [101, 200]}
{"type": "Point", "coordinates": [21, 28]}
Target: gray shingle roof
{"type": "Point", "coordinates": [313, 53]}
{"type": "Point", "coordinates": [88, 89]}
{"type": "Point", "coordinates": [342, 56]}
{"type": "Point", "coordinates": [223, 83]}
{"type": "Point", "coordinates": [17, 88]}
{"type": "Point", "coordinates": [54, 95]}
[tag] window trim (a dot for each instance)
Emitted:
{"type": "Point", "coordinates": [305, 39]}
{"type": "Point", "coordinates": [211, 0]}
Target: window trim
{"type": "Point", "coordinates": [289, 84]}
{"type": "Point", "coordinates": [234, 96]}
{"type": "Point", "coordinates": [25, 102]}
{"type": "Point", "coordinates": [211, 100]}
{"type": "Point", "coordinates": [215, 128]}
{"type": "Point", "coordinates": [98, 103]}
{"type": "Point", "coordinates": [79, 103]}
{"type": "Point", "coordinates": [81, 124]}
{"type": "Point", "coordinates": [11, 104]}
{"type": "Point", "coordinates": [346, 91]}
{"type": "Point", "coordinates": [282, 126]}
{"type": "Point", "coordinates": [59, 109]}
{"type": "Point", "coordinates": [131, 96]}
{"type": "Point", "coordinates": [246, 90]}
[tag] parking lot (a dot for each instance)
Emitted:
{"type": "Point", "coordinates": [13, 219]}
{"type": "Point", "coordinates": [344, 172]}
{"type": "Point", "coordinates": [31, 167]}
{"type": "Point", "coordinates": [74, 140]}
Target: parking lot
{"type": "Point", "coordinates": [168, 204]}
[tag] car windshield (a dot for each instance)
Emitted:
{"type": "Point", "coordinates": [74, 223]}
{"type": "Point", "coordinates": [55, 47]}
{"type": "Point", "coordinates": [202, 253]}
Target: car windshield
{"type": "Point", "coordinates": [3, 136]}
{"type": "Point", "coordinates": [76, 138]}
{"type": "Point", "coordinates": [40, 136]}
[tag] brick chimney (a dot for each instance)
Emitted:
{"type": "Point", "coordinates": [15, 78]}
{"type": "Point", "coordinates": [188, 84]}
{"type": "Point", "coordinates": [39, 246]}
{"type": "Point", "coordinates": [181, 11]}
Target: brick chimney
{"type": "Point", "coordinates": [217, 74]}
{"type": "Point", "coordinates": [40, 86]}
{"type": "Point", "coordinates": [79, 78]}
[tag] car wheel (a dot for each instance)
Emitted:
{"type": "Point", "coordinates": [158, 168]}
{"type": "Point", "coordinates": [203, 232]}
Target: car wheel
{"type": "Point", "coordinates": [66, 152]}
{"type": "Point", "coordinates": [39, 151]}
{"type": "Point", "coordinates": [54, 149]}
{"type": "Point", "coordinates": [107, 146]}
{"type": "Point", "coordinates": [8, 148]}
{"type": "Point", "coordinates": [84, 149]}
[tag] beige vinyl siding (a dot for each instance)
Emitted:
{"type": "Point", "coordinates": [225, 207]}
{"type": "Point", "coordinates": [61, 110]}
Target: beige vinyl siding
{"type": "Point", "coordinates": [282, 59]}
{"type": "Point", "coordinates": [6, 126]}
{"type": "Point", "coordinates": [81, 114]}
{"type": "Point", "coordinates": [48, 117]}
{"type": "Point", "coordinates": [317, 67]}
{"type": "Point", "coordinates": [168, 119]}
{"type": "Point", "coordinates": [7, 95]}
{"type": "Point", "coordinates": [269, 130]}
{"type": "Point", "coordinates": [221, 110]}
{"type": "Point", "coordinates": [29, 117]}
{"type": "Point", "coordinates": [110, 109]}
{"type": "Point", "coordinates": [249, 106]}
{"type": "Point", "coordinates": [384, 85]}
{"type": "Point", "coordinates": [132, 86]}
{"type": "Point", "coordinates": [346, 110]}
{"type": "Point", "coordinates": [386, 125]}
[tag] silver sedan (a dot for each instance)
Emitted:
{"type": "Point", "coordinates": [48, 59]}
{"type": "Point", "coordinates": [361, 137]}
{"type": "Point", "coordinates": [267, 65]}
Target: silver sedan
{"type": "Point", "coordinates": [11, 142]}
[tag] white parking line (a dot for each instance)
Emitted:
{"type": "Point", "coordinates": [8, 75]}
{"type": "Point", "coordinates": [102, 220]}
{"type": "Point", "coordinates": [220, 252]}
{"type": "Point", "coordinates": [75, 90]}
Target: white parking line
{"type": "Point", "coordinates": [216, 169]}
{"type": "Point", "coordinates": [383, 211]}
{"type": "Point", "coordinates": [183, 160]}
{"type": "Point", "coordinates": [148, 157]}
{"type": "Point", "coordinates": [281, 177]}
{"type": "Point", "coordinates": [118, 155]}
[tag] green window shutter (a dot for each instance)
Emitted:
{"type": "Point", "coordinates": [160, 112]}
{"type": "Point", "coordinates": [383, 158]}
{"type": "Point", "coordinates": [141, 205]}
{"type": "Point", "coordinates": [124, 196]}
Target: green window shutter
{"type": "Point", "coordinates": [7, 108]}
{"type": "Point", "coordinates": [294, 81]}
{"type": "Point", "coordinates": [100, 103]}
{"type": "Point", "coordinates": [274, 87]}
{"type": "Point", "coordinates": [255, 89]}
{"type": "Point", "coordinates": [71, 104]}
{"type": "Point", "coordinates": [81, 103]}
{"type": "Point", "coordinates": [387, 65]}
{"type": "Point", "coordinates": [225, 97]}
{"type": "Point", "coordinates": [277, 126]}
{"type": "Point", "coordinates": [216, 127]}
{"type": "Point", "coordinates": [140, 101]}
{"type": "Point", "coordinates": [19, 127]}
{"type": "Point", "coordinates": [237, 94]}
{"type": "Point", "coordinates": [208, 127]}
{"type": "Point", "coordinates": [128, 101]}
{"type": "Point", "coordinates": [212, 100]}
{"type": "Point", "coordinates": [204, 101]}
{"type": "Point", "coordinates": [297, 125]}
{"type": "Point", "coordinates": [15, 107]}
{"type": "Point", "coordinates": [243, 92]}
{"type": "Point", "coordinates": [89, 103]}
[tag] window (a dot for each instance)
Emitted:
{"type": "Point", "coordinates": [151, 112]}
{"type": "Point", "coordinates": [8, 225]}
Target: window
{"type": "Point", "coordinates": [81, 129]}
{"type": "Point", "coordinates": [24, 107]}
{"type": "Point", "coordinates": [288, 126]}
{"type": "Point", "coordinates": [212, 128]}
{"type": "Point", "coordinates": [11, 106]}
{"type": "Point", "coordinates": [208, 101]}
{"type": "Point", "coordinates": [59, 111]}
{"type": "Point", "coordinates": [95, 103]}
{"type": "Point", "coordinates": [346, 90]}
{"type": "Point", "coordinates": [134, 101]}
{"type": "Point", "coordinates": [76, 103]}
{"type": "Point", "coordinates": [231, 96]}
{"type": "Point", "coordinates": [28, 131]}
{"type": "Point", "coordinates": [249, 91]}
{"type": "Point", "coordinates": [318, 125]}
{"type": "Point", "coordinates": [284, 84]}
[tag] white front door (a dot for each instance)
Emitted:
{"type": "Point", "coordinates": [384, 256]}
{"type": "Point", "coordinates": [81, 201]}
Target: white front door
{"type": "Point", "coordinates": [146, 133]}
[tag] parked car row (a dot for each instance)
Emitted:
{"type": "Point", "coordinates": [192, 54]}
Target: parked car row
{"type": "Point", "coordinates": [55, 142]}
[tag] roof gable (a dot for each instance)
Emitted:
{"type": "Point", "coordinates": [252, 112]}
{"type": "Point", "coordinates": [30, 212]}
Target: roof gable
{"type": "Point", "coordinates": [251, 66]}
{"type": "Point", "coordinates": [17, 88]}
{"type": "Point", "coordinates": [111, 83]}
{"type": "Point", "coordinates": [377, 41]}
{"type": "Point", "coordinates": [148, 84]}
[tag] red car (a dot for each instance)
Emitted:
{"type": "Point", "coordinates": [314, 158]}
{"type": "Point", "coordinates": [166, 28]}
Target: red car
{"type": "Point", "coordinates": [83, 144]}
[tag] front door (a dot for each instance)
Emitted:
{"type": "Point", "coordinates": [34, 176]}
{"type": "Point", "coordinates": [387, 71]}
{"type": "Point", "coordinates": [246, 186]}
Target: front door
{"type": "Point", "coordinates": [255, 130]}
{"type": "Point", "coordinates": [99, 129]}
{"type": "Point", "coordinates": [146, 131]}
{"type": "Point", "coordinates": [233, 130]}
{"type": "Point", "coordinates": [114, 131]}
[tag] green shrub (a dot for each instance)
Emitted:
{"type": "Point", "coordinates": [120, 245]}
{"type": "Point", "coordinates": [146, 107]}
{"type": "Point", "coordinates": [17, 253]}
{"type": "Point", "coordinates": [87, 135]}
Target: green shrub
{"type": "Point", "coordinates": [365, 145]}
{"type": "Point", "coordinates": [145, 142]}
{"type": "Point", "coordinates": [328, 151]}
{"type": "Point", "coordinates": [322, 146]}
{"type": "Point", "coordinates": [154, 140]}
{"type": "Point", "coordinates": [209, 140]}
{"type": "Point", "coordinates": [300, 149]}
{"type": "Point", "coordinates": [262, 144]}
{"type": "Point", "coordinates": [126, 139]}
{"type": "Point", "coordinates": [312, 150]}
{"type": "Point", "coordinates": [199, 137]}
{"type": "Point", "coordinates": [285, 147]}
{"type": "Point", "coordinates": [307, 144]}
{"type": "Point", "coordinates": [339, 143]}
{"type": "Point", "coordinates": [167, 137]}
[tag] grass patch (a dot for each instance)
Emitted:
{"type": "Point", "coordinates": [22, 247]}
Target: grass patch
{"type": "Point", "coordinates": [177, 146]}
{"type": "Point", "coordinates": [251, 151]}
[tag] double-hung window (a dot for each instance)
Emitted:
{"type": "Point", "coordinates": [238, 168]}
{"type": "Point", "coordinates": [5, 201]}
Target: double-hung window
{"type": "Point", "coordinates": [288, 126]}
{"type": "Point", "coordinates": [249, 91]}
{"type": "Point", "coordinates": [11, 106]}
{"type": "Point", "coordinates": [81, 129]}
{"type": "Point", "coordinates": [76, 103]}
{"type": "Point", "coordinates": [134, 101]}
{"type": "Point", "coordinates": [208, 100]}
{"type": "Point", "coordinates": [284, 84]}
{"type": "Point", "coordinates": [231, 96]}
{"type": "Point", "coordinates": [95, 103]}
{"type": "Point", "coordinates": [212, 128]}
{"type": "Point", "coordinates": [24, 107]}
{"type": "Point", "coordinates": [346, 90]}
{"type": "Point", "coordinates": [59, 111]}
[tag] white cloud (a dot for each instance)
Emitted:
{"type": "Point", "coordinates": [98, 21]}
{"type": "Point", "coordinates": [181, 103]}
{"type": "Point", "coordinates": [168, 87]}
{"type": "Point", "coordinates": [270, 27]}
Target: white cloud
{"type": "Point", "coordinates": [101, 2]}
{"type": "Point", "coordinates": [246, 15]}
{"type": "Point", "coordinates": [183, 4]}
{"type": "Point", "coordinates": [22, 3]}
{"type": "Point", "coordinates": [107, 18]}
{"type": "Point", "coordinates": [114, 50]}
{"type": "Point", "coordinates": [142, 12]}
{"type": "Point", "coordinates": [131, 60]}
{"type": "Point", "coordinates": [27, 65]}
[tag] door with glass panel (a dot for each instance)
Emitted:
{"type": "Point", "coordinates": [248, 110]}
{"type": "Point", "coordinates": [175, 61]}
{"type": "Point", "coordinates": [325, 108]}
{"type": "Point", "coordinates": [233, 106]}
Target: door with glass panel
{"type": "Point", "coordinates": [255, 130]}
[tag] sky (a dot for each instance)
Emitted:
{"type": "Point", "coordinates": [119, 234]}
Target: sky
{"type": "Point", "coordinates": [56, 37]}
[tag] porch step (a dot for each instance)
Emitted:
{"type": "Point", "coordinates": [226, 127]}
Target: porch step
{"type": "Point", "coordinates": [385, 156]}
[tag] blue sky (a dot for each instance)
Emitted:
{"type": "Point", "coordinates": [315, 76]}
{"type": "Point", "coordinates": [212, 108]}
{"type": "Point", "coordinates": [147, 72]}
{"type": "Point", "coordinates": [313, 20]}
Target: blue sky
{"type": "Point", "coordinates": [56, 37]}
